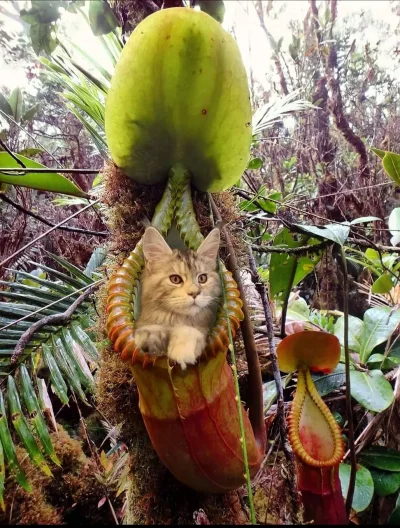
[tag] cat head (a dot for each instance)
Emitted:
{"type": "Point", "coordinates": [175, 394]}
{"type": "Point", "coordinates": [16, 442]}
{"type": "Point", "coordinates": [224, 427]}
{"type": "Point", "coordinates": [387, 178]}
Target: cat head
{"type": "Point", "coordinates": [183, 282]}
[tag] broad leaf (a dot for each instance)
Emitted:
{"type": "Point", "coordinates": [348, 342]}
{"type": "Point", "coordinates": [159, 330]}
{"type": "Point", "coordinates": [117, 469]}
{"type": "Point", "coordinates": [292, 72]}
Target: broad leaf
{"type": "Point", "coordinates": [335, 232]}
{"type": "Point", "coordinates": [356, 327]}
{"type": "Point", "coordinates": [379, 324]}
{"type": "Point", "coordinates": [101, 17]}
{"type": "Point", "coordinates": [371, 389]}
{"type": "Point", "coordinates": [16, 104]}
{"type": "Point", "coordinates": [385, 483]}
{"type": "Point", "coordinates": [31, 112]}
{"type": "Point", "coordinates": [216, 8]}
{"type": "Point", "coordinates": [364, 489]}
{"type": "Point", "coordinates": [391, 164]}
{"type": "Point", "coordinates": [288, 270]}
{"type": "Point", "coordinates": [327, 383]}
{"type": "Point", "coordinates": [255, 163]}
{"type": "Point", "coordinates": [42, 37]}
{"type": "Point", "coordinates": [384, 284]}
{"type": "Point", "coordinates": [51, 182]}
{"type": "Point", "coordinates": [394, 519]}
{"type": "Point", "coordinates": [382, 458]}
{"type": "Point", "coordinates": [5, 106]}
{"type": "Point", "coordinates": [394, 226]}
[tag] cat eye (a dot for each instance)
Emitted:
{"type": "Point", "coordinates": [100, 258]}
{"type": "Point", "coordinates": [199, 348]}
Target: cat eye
{"type": "Point", "coordinates": [175, 279]}
{"type": "Point", "coordinates": [202, 278]}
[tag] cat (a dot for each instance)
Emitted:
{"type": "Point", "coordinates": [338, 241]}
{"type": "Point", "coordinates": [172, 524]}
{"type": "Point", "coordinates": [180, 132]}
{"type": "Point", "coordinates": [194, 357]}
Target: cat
{"type": "Point", "coordinates": [179, 290]}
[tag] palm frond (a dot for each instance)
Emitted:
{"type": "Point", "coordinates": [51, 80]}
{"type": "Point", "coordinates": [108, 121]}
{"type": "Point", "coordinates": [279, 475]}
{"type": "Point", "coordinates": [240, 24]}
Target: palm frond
{"type": "Point", "coordinates": [273, 112]}
{"type": "Point", "coordinates": [65, 354]}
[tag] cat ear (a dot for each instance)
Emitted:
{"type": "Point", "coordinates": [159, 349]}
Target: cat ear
{"type": "Point", "coordinates": [209, 247]}
{"type": "Point", "coordinates": [154, 245]}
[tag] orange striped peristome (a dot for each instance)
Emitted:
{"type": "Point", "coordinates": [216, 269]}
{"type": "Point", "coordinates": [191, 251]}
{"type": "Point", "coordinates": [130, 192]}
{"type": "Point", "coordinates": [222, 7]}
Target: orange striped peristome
{"type": "Point", "coordinates": [121, 301]}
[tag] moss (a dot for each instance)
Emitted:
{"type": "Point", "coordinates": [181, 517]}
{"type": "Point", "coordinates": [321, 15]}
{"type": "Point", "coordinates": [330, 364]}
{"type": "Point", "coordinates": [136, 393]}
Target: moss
{"type": "Point", "coordinates": [71, 496]}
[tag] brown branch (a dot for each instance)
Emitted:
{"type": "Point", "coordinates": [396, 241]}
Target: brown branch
{"type": "Point", "coordinates": [280, 413]}
{"type": "Point", "coordinates": [47, 222]}
{"type": "Point", "coordinates": [60, 318]}
{"type": "Point", "coordinates": [29, 244]}
{"type": "Point", "coordinates": [171, 3]}
{"type": "Point", "coordinates": [336, 102]}
{"type": "Point", "coordinates": [256, 411]}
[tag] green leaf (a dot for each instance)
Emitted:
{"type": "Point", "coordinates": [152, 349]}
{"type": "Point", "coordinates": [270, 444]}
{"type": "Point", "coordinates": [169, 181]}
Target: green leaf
{"type": "Point", "coordinates": [43, 38]}
{"type": "Point", "coordinates": [371, 389]}
{"type": "Point", "coordinates": [5, 106]}
{"type": "Point", "coordinates": [97, 258]}
{"type": "Point", "coordinates": [214, 8]}
{"type": "Point", "coordinates": [288, 270]}
{"type": "Point", "coordinates": [385, 483]}
{"type": "Point", "coordinates": [36, 415]}
{"type": "Point", "coordinates": [379, 152]}
{"type": "Point", "coordinates": [51, 182]}
{"type": "Point", "coordinates": [327, 383]}
{"type": "Point", "coordinates": [364, 220]}
{"type": "Point", "coordinates": [56, 377]}
{"type": "Point", "coordinates": [391, 164]}
{"type": "Point", "coordinates": [22, 428]}
{"type": "Point", "coordinates": [42, 12]}
{"type": "Point", "coordinates": [255, 163]}
{"type": "Point", "coordinates": [382, 458]}
{"type": "Point", "coordinates": [356, 327]}
{"type": "Point", "coordinates": [383, 284]}
{"type": "Point", "coordinates": [29, 152]}
{"type": "Point", "coordinates": [89, 349]}
{"type": "Point", "coordinates": [30, 114]}
{"type": "Point", "coordinates": [364, 489]}
{"type": "Point", "coordinates": [379, 324]}
{"type": "Point", "coordinates": [16, 104]}
{"type": "Point", "coordinates": [335, 232]}
{"type": "Point", "coordinates": [394, 519]}
{"type": "Point", "coordinates": [2, 477]}
{"type": "Point", "coordinates": [394, 226]}
{"type": "Point", "coordinates": [101, 17]}
{"type": "Point", "coordinates": [9, 448]}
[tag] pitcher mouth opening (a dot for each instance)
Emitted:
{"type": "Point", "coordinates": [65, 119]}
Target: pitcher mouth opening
{"type": "Point", "coordinates": [123, 309]}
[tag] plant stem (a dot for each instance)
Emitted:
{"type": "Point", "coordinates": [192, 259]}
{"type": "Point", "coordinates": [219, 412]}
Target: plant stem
{"type": "Point", "coordinates": [239, 403]}
{"type": "Point", "coordinates": [255, 391]}
{"type": "Point", "coordinates": [278, 382]}
{"type": "Point", "coordinates": [352, 481]}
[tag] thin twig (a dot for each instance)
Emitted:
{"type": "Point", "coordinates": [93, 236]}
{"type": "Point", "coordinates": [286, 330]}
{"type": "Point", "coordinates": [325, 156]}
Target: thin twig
{"type": "Point", "coordinates": [95, 456]}
{"type": "Point", "coordinates": [256, 411]}
{"type": "Point", "coordinates": [20, 163]}
{"type": "Point", "coordinates": [47, 222]}
{"type": "Point", "coordinates": [353, 459]}
{"type": "Point", "coordinates": [9, 118]}
{"type": "Point", "coordinates": [289, 251]}
{"type": "Point", "coordinates": [278, 382]}
{"type": "Point", "coordinates": [46, 233]}
{"type": "Point", "coordinates": [60, 318]}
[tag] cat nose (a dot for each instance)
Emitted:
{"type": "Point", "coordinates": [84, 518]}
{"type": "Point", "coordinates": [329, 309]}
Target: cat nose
{"type": "Point", "coordinates": [193, 293]}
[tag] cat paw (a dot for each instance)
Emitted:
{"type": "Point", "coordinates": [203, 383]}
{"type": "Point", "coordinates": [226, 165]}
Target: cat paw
{"type": "Point", "coordinates": [152, 339]}
{"type": "Point", "coordinates": [186, 346]}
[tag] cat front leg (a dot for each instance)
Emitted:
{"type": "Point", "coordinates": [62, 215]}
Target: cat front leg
{"type": "Point", "coordinates": [186, 345]}
{"type": "Point", "coordinates": [152, 339]}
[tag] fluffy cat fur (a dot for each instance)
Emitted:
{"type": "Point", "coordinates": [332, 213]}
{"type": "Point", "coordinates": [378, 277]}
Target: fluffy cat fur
{"type": "Point", "coordinates": [179, 291]}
